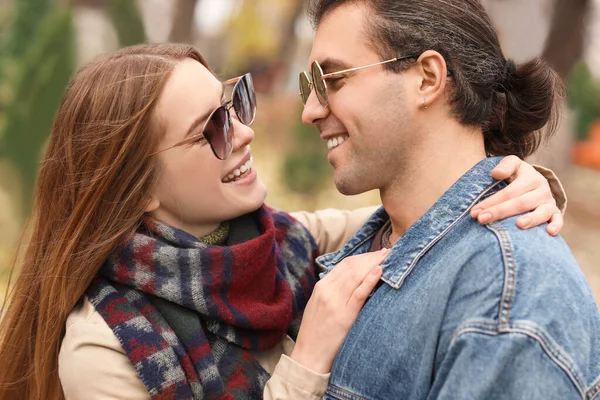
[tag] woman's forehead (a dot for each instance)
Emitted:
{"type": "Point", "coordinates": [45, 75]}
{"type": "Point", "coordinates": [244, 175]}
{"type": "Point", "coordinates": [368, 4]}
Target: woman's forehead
{"type": "Point", "coordinates": [190, 91]}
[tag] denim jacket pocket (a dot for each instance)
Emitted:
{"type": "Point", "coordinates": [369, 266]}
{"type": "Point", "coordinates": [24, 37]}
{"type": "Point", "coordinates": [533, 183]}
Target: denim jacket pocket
{"type": "Point", "coordinates": [336, 393]}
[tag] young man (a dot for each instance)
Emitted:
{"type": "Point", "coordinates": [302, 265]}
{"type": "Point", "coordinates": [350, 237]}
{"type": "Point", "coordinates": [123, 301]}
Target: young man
{"type": "Point", "coordinates": [412, 97]}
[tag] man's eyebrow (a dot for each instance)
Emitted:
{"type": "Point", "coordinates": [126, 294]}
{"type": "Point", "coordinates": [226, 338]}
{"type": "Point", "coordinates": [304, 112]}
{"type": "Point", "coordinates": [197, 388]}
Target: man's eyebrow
{"type": "Point", "coordinates": [330, 65]}
{"type": "Point", "coordinates": [198, 121]}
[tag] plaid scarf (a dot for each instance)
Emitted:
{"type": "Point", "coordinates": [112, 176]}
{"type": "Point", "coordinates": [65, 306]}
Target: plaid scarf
{"type": "Point", "coordinates": [245, 296]}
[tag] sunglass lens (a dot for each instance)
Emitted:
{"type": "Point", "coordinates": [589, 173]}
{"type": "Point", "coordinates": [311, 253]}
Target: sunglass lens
{"type": "Point", "coordinates": [219, 134]}
{"type": "Point", "coordinates": [304, 83]}
{"type": "Point", "coordinates": [244, 99]}
{"type": "Point", "coordinates": [319, 83]}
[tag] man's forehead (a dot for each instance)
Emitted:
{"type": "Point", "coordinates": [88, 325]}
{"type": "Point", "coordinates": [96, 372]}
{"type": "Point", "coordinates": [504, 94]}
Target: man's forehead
{"type": "Point", "coordinates": [340, 37]}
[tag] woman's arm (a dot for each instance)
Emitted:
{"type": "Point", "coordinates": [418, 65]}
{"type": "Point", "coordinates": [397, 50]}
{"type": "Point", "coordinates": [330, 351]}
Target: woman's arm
{"type": "Point", "coordinates": [92, 364]}
{"type": "Point", "coordinates": [290, 380]}
{"type": "Point", "coordinates": [332, 228]}
{"type": "Point", "coordinates": [531, 188]}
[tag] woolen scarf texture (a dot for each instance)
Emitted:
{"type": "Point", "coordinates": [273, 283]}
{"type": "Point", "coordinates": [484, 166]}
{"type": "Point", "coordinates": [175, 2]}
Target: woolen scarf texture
{"type": "Point", "coordinates": [247, 296]}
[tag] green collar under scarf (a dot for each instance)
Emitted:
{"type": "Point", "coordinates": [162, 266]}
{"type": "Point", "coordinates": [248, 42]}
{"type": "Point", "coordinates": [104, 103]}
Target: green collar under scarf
{"type": "Point", "coordinates": [218, 237]}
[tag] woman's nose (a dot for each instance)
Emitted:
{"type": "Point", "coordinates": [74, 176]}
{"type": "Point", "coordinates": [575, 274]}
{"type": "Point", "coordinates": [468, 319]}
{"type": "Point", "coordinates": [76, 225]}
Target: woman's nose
{"type": "Point", "coordinates": [242, 134]}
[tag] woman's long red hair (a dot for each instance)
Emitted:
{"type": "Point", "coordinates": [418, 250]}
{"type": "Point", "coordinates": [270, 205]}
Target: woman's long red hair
{"type": "Point", "coordinates": [94, 183]}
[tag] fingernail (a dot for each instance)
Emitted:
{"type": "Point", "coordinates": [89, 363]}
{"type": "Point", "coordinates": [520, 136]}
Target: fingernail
{"type": "Point", "coordinates": [525, 222]}
{"type": "Point", "coordinates": [552, 229]}
{"type": "Point", "coordinates": [485, 218]}
{"type": "Point", "coordinates": [475, 211]}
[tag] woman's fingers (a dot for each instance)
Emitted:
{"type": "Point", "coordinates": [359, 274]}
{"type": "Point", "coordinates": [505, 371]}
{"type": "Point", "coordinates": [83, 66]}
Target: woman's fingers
{"type": "Point", "coordinates": [556, 224]}
{"type": "Point", "coordinates": [513, 191]}
{"type": "Point", "coordinates": [508, 168]}
{"type": "Point", "coordinates": [527, 202]}
{"type": "Point", "coordinates": [528, 191]}
{"type": "Point", "coordinates": [352, 271]}
{"type": "Point", "coordinates": [542, 214]}
{"type": "Point", "coordinates": [362, 292]}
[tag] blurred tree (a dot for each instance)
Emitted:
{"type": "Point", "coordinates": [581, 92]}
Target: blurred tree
{"type": "Point", "coordinates": [564, 48]}
{"type": "Point", "coordinates": [305, 167]}
{"type": "Point", "coordinates": [252, 41]}
{"type": "Point", "coordinates": [289, 41]}
{"type": "Point", "coordinates": [127, 21]}
{"type": "Point", "coordinates": [36, 65]}
{"type": "Point", "coordinates": [125, 17]}
{"type": "Point", "coordinates": [5, 11]}
{"type": "Point", "coordinates": [99, 4]}
{"type": "Point", "coordinates": [566, 40]}
{"type": "Point", "coordinates": [584, 98]}
{"type": "Point", "coordinates": [27, 16]}
{"type": "Point", "coordinates": [38, 69]}
{"type": "Point", "coordinates": [183, 21]}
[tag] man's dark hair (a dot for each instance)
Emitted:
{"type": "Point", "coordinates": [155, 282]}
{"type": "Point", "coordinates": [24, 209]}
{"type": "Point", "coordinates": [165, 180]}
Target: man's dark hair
{"type": "Point", "coordinates": [511, 103]}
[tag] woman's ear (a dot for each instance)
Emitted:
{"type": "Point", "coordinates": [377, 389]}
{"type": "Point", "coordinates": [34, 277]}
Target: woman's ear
{"type": "Point", "coordinates": [153, 205]}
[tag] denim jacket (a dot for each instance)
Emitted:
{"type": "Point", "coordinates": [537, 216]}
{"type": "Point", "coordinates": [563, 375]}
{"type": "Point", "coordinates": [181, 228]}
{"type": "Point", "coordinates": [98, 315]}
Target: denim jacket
{"type": "Point", "coordinates": [470, 311]}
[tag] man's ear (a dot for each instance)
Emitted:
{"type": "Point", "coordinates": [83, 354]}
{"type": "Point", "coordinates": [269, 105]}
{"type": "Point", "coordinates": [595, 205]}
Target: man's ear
{"type": "Point", "coordinates": [433, 72]}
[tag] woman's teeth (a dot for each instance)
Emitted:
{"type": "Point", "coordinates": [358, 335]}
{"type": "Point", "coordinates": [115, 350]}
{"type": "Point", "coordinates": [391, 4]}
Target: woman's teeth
{"type": "Point", "coordinates": [240, 172]}
{"type": "Point", "coordinates": [334, 142]}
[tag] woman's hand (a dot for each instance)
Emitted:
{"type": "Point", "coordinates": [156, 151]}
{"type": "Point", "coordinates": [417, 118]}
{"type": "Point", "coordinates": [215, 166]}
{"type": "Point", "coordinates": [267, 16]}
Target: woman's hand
{"type": "Point", "coordinates": [333, 306]}
{"type": "Point", "coordinates": [527, 190]}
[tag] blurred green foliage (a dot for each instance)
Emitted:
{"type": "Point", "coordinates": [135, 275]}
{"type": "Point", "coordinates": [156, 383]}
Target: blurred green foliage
{"type": "Point", "coordinates": [128, 23]}
{"type": "Point", "coordinates": [27, 16]}
{"type": "Point", "coordinates": [35, 65]}
{"type": "Point", "coordinates": [305, 169]}
{"type": "Point", "coordinates": [584, 98]}
{"type": "Point", "coordinates": [250, 37]}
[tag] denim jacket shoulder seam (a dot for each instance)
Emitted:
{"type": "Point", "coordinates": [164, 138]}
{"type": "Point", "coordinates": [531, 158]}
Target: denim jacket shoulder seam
{"type": "Point", "coordinates": [553, 351]}
{"type": "Point", "coordinates": [510, 273]}
{"type": "Point", "coordinates": [594, 390]}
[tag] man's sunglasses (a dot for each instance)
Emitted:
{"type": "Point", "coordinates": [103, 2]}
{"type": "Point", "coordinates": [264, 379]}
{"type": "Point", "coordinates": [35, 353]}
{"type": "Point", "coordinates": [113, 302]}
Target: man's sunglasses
{"type": "Point", "coordinates": [217, 129]}
{"type": "Point", "coordinates": [318, 81]}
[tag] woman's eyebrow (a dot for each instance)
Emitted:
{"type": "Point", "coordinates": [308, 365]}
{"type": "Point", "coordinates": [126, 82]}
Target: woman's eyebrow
{"type": "Point", "coordinates": [198, 121]}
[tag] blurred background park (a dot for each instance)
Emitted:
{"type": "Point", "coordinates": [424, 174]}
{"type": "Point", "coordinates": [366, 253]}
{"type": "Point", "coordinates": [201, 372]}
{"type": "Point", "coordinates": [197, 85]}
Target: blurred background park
{"type": "Point", "coordinates": [42, 42]}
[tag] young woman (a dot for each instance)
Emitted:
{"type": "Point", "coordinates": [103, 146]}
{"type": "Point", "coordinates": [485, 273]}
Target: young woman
{"type": "Point", "coordinates": [154, 269]}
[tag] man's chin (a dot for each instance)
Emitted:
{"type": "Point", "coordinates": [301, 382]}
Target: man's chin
{"type": "Point", "coordinates": [349, 187]}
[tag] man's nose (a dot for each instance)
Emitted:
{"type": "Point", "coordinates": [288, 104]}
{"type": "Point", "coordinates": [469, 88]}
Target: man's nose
{"type": "Point", "coordinates": [313, 110]}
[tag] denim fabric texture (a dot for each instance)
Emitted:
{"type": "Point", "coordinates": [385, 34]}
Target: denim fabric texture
{"type": "Point", "coordinates": [470, 311]}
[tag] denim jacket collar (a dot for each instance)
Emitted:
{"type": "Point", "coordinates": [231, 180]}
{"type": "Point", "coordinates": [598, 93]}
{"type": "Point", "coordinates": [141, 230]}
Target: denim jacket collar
{"type": "Point", "coordinates": [454, 205]}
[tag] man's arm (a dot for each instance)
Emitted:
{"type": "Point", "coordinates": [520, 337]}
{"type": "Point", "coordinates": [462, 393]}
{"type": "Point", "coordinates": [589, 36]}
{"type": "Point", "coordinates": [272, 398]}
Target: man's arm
{"type": "Point", "coordinates": [514, 365]}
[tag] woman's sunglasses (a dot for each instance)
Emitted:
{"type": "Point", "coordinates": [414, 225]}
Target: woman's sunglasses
{"type": "Point", "coordinates": [217, 129]}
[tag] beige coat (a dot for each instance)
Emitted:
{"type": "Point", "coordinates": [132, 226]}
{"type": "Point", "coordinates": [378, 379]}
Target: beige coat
{"type": "Point", "coordinates": [94, 366]}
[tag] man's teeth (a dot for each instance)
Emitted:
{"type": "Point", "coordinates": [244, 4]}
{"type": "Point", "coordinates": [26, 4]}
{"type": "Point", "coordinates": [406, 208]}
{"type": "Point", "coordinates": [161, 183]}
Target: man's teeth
{"type": "Point", "coordinates": [238, 172]}
{"type": "Point", "coordinates": [334, 142]}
